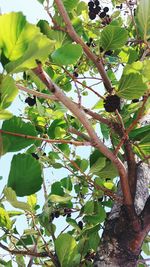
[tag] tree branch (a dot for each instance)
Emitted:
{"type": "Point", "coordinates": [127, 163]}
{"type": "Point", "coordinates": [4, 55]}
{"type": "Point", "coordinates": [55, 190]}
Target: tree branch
{"type": "Point", "coordinates": [51, 141]}
{"type": "Point", "coordinates": [25, 252]}
{"type": "Point", "coordinates": [72, 33]}
{"type": "Point", "coordinates": [80, 114]}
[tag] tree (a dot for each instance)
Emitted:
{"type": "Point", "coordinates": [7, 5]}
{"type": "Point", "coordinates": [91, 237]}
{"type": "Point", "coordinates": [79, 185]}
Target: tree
{"type": "Point", "coordinates": [104, 197]}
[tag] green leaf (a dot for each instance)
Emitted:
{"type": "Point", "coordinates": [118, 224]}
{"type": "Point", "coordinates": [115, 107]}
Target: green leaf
{"type": "Point", "coordinates": [66, 250]}
{"type": "Point", "coordinates": [146, 248]}
{"type": "Point", "coordinates": [131, 86]}
{"type": "Point", "coordinates": [139, 133]}
{"type": "Point", "coordinates": [60, 199]}
{"type": "Point", "coordinates": [25, 176]}
{"type": "Point", "coordinates": [15, 143]}
{"type": "Point", "coordinates": [143, 19]}
{"type": "Point", "coordinates": [89, 207]}
{"type": "Point", "coordinates": [98, 165]}
{"type": "Point", "coordinates": [4, 219]}
{"type": "Point", "coordinates": [41, 1]}
{"type": "Point", "coordinates": [12, 199]}
{"type": "Point", "coordinates": [70, 4]}
{"type": "Point", "coordinates": [67, 54]}
{"type": "Point", "coordinates": [5, 114]}
{"type": "Point", "coordinates": [73, 223]}
{"type": "Point", "coordinates": [8, 91]}
{"type": "Point", "coordinates": [113, 37]}
{"type": "Point", "coordinates": [66, 183]}
{"type": "Point", "coordinates": [109, 171]}
{"type": "Point", "coordinates": [22, 43]}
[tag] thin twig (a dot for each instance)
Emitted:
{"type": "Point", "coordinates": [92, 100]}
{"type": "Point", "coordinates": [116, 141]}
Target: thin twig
{"type": "Point", "coordinates": [56, 141]}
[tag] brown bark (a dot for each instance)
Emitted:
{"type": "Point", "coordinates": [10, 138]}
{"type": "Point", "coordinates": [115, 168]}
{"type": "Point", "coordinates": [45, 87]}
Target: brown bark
{"type": "Point", "coordinates": [124, 234]}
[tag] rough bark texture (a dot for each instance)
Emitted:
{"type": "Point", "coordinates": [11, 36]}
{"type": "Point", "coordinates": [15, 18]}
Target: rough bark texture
{"type": "Point", "coordinates": [122, 238]}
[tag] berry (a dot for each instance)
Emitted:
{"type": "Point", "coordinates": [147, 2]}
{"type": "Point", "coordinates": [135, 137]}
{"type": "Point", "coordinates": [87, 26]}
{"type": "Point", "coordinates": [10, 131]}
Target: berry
{"type": "Point", "coordinates": [101, 49]}
{"type": "Point", "coordinates": [34, 155]}
{"type": "Point", "coordinates": [57, 214]}
{"type": "Point", "coordinates": [100, 199]}
{"type": "Point", "coordinates": [75, 74]}
{"type": "Point", "coordinates": [106, 9]}
{"type": "Point", "coordinates": [97, 9]}
{"type": "Point", "coordinates": [97, 3]}
{"type": "Point", "coordinates": [92, 15]}
{"type": "Point", "coordinates": [80, 224]}
{"type": "Point", "coordinates": [135, 100]}
{"type": "Point", "coordinates": [108, 53]}
{"type": "Point", "coordinates": [111, 103]}
{"type": "Point", "coordinates": [30, 101]}
{"type": "Point", "coordinates": [91, 4]}
{"type": "Point", "coordinates": [68, 215]}
{"type": "Point", "coordinates": [102, 15]}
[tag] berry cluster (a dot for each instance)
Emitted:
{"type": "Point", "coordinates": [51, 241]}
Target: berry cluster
{"type": "Point", "coordinates": [111, 103]}
{"type": "Point", "coordinates": [30, 101]}
{"type": "Point", "coordinates": [94, 9]}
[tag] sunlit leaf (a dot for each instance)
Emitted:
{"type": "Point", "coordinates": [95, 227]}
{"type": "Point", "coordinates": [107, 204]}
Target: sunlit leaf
{"type": "Point", "coordinates": [12, 199]}
{"type": "Point", "coordinates": [143, 19]}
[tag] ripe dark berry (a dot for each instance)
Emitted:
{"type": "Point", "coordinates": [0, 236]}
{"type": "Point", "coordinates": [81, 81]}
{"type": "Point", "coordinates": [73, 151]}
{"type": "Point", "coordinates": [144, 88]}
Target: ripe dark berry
{"type": "Point", "coordinates": [34, 155]}
{"type": "Point", "coordinates": [80, 224]}
{"type": "Point", "coordinates": [101, 49]}
{"type": "Point", "coordinates": [108, 53]}
{"type": "Point", "coordinates": [91, 4]}
{"type": "Point", "coordinates": [100, 199]}
{"type": "Point", "coordinates": [30, 101]}
{"type": "Point", "coordinates": [97, 3]}
{"type": "Point", "coordinates": [68, 215]}
{"type": "Point", "coordinates": [106, 9]}
{"type": "Point", "coordinates": [75, 74]}
{"type": "Point", "coordinates": [57, 214]}
{"type": "Point", "coordinates": [92, 15]}
{"type": "Point", "coordinates": [111, 103]}
{"type": "Point", "coordinates": [102, 15]}
{"type": "Point", "coordinates": [135, 100]}
{"type": "Point", "coordinates": [97, 9]}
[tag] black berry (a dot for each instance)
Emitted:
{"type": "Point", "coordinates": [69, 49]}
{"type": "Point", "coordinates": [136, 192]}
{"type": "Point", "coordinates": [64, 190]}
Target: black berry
{"type": "Point", "coordinates": [75, 74]}
{"type": "Point", "coordinates": [135, 100]}
{"type": "Point", "coordinates": [97, 3]}
{"type": "Point", "coordinates": [102, 15]}
{"type": "Point", "coordinates": [80, 224]}
{"type": "Point", "coordinates": [34, 155]}
{"type": "Point", "coordinates": [91, 4]}
{"type": "Point", "coordinates": [108, 53]}
{"type": "Point", "coordinates": [30, 101]}
{"type": "Point", "coordinates": [111, 103]}
{"type": "Point", "coordinates": [97, 9]}
{"type": "Point", "coordinates": [92, 15]}
{"type": "Point", "coordinates": [57, 214]}
{"type": "Point", "coordinates": [106, 9]}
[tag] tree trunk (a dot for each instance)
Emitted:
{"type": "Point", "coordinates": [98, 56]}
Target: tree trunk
{"type": "Point", "coordinates": [123, 236]}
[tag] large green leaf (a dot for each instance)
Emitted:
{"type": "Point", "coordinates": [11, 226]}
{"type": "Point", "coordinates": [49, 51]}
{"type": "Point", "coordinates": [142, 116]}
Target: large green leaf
{"type": "Point", "coordinates": [21, 42]}
{"type": "Point", "coordinates": [70, 4]}
{"type": "Point", "coordinates": [131, 86]}
{"type": "Point", "coordinates": [66, 250]}
{"type": "Point", "coordinates": [67, 54]}
{"type": "Point", "coordinates": [143, 19]}
{"type": "Point", "coordinates": [25, 176]}
{"type": "Point", "coordinates": [8, 91]}
{"type": "Point", "coordinates": [113, 37]}
{"type": "Point", "coordinates": [15, 143]}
